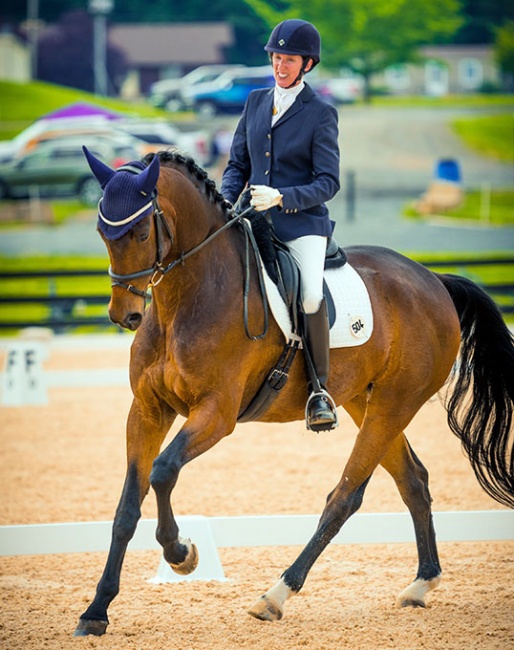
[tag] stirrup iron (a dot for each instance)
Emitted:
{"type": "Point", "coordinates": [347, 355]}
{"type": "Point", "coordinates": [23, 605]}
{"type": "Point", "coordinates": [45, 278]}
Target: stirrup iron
{"type": "Point", "coordinates": [327, 425]}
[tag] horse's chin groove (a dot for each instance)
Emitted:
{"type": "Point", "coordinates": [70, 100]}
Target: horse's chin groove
{"type": "Point", "coordinates": [87, 627]}
{"type": "Point", "coordinates": [131, 327]}
{"type": "Point", "coordinates": [266, 609]}
{"type": "Point", "coordinates": [189, 564]}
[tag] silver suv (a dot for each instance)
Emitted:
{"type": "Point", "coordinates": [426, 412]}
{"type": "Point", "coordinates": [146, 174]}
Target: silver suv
{"type": "Point", "coordinates": [167, 93]}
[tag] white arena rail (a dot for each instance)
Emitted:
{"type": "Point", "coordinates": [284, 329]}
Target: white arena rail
{"type": "Point", "coordinates": [211, 533]}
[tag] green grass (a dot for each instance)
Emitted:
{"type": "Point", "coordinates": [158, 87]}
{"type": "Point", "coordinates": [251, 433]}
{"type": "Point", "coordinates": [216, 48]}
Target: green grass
{"type": "Point", "coordinates": [497, 211]}
{"type": "Point", "coordinates": [489, 135]}
{"type": "Point", "coordinates": [23, 103]}
{"type": "Point", "coordinates": [63, 210]}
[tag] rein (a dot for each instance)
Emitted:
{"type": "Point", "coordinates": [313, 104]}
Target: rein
{"type": "Point", "coordinates": [158, 271]}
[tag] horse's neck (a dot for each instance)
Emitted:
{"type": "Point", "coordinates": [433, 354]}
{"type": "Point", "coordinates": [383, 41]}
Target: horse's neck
{"type": "Point", "coordinates": [201, 264]}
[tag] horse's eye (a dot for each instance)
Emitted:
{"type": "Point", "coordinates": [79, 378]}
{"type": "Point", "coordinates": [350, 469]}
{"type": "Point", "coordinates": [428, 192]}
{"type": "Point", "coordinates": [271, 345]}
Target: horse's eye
{"type": "Point", "coordinates": [142, 233]}
{"type": "Point", "coordinates": [143, 236]}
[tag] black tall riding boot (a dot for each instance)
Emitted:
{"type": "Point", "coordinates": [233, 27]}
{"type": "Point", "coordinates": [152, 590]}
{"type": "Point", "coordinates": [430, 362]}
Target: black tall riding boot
{"type": "Point", "coordinates": [320, 412]}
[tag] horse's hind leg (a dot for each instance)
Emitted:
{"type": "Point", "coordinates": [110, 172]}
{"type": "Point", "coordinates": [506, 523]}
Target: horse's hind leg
{"type": "Point", "coordinates": [143, 444]}
{"type": "Point", "coordinates": [411, 478]}
{"type": "Point", "coordinates": [376, 435]}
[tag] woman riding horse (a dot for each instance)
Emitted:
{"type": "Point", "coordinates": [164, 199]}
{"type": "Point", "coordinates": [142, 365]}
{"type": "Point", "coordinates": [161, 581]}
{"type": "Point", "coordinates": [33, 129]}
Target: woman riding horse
{"type": "Point", "coordinates": [287, 138]}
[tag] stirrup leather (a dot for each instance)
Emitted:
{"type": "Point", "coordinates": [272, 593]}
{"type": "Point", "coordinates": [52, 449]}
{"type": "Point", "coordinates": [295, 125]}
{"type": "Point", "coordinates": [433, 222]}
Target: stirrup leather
{"type": "Point", "coordinates": [324, 425]}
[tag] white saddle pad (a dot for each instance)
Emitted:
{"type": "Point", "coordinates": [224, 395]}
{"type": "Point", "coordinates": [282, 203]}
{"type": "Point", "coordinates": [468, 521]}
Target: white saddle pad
{"type": "Point", "coordinates": [354, 315]}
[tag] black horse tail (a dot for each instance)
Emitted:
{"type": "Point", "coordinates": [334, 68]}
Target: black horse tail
{"type": "Point", "coordinates": [480, 405]}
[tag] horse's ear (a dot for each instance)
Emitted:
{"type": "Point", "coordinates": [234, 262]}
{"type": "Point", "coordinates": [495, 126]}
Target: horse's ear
{"type": "Point", "coordinates": [101, 171]}
{"type": "Point", "coordinates": [147, 179]}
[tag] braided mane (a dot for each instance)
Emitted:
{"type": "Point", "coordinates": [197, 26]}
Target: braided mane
{"type": "Point", "coordinates": [184, 163]}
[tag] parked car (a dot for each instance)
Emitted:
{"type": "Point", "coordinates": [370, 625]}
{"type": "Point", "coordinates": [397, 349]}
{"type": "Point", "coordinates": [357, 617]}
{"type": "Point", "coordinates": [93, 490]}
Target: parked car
{"type": "Point", "coordinates": [339, 90]}
{"type": "Point", "coordinates": [228, 93]}
{"type": "Point", "coordinates": [50, 129]}
{"type": "Point", "coordinates": [159, 134]}
{"type": "Point", "coordinates": [58, 168]}
{"type": "Point", "coordinates": [167, 92]}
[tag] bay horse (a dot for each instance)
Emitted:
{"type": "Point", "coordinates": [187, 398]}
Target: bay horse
{"type": "Point", "coordinates": [197, 355]}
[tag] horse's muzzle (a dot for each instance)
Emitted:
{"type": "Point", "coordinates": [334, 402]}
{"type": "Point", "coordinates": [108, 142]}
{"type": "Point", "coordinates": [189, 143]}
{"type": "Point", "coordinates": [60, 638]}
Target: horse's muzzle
{"type": "Point", "coordinates": [130, 322]}
{"type": "Point", "coordinates": [126, 313]}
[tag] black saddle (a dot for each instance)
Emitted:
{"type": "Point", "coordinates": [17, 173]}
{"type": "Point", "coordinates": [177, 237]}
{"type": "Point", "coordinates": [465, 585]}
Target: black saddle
{"type": "Point", "coordinates": [283, 269]}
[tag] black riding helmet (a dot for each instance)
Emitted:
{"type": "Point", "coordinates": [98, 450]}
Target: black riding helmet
{"type": "Point", "coordinates": [295, 36]}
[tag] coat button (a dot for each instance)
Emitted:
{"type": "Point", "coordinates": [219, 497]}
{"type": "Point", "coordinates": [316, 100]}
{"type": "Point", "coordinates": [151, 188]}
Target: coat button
{"type": "Point", "coordinates": [267, 154]}
{"type": "Point", "coordinates": [266, 172]}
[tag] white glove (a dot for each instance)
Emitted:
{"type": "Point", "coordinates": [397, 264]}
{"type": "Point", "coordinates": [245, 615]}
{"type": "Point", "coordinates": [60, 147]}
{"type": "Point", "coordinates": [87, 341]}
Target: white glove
{"type": "Point", "coordinates": [264, 197]}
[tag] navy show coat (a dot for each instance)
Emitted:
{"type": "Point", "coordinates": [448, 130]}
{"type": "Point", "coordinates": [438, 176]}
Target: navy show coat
{"type": "Point", "coordinates": [299, 156]}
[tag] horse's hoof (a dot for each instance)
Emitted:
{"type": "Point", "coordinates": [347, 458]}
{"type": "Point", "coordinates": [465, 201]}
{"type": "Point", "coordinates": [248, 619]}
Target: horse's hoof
{"type": "Point", "coordinates": [88, 627]}
{"type": "Point", "coordinates": [411, 602]}
{"type": "Point", "coordinates": [414, 595]}
{"type": "Point", "coordinates": [189, 564]}
{"type": "Point", "coordinates": [266, 610]}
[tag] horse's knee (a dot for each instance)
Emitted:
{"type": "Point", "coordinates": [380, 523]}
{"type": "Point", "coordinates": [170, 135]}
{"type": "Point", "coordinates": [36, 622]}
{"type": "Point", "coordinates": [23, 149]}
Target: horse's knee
{"type": "Point", "coordinates": [163, 475]}
{"type": "Point", "coordinates": [167, 465]}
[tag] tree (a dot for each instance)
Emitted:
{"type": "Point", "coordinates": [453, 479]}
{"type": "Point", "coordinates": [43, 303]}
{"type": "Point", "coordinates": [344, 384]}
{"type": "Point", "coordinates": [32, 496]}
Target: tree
{"type": "Point", "coordinates": [369, 35]}
{"type": "Point", "coordinates": [481, 19]}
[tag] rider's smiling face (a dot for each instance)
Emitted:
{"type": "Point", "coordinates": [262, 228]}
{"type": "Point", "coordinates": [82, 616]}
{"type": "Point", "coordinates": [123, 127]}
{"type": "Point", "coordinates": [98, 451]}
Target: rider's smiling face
{"type": "Point", "coordinates": [287, 67]}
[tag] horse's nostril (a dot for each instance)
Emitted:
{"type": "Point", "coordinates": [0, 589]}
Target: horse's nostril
{"type": "Point", "coordinates": [133, 320]}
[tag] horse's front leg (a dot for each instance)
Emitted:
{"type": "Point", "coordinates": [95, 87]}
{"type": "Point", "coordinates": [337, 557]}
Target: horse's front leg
{"type": "Point", "coordinates": [202, 430]}
{"type": "Point", "coordinates": [144, 439]}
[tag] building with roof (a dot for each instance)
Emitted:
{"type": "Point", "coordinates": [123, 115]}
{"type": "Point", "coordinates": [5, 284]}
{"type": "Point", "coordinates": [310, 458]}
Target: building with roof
{"type": "Point", "coordinates": [445, 69]}
{"type": "Point", "coordinates": [14, 58]}
{"type": "Point", "coordinates": [167, 50]}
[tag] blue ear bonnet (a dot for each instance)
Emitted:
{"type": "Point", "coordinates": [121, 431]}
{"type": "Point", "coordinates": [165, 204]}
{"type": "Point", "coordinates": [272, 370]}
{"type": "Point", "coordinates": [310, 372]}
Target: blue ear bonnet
{"type": "Point", "coordinates": [127, 195]}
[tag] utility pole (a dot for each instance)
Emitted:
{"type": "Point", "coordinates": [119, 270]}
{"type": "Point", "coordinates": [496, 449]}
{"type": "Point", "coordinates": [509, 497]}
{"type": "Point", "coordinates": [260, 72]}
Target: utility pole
{"type": "Point", "coordinates": [32, 29]}
{"type": "Point", "coordinates": [100, 9]}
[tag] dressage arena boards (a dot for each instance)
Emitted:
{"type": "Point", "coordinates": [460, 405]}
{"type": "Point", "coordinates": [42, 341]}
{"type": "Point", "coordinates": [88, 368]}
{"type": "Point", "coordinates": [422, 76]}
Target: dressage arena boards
{"type": "Point", "coordinates": [211, 533]}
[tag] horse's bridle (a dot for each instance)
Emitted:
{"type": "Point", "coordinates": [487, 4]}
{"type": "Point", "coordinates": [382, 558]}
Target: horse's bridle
{"type": "Point", "coordinates": [123, 279]}
{"type": "Point", "coordinates": [157, 271]}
